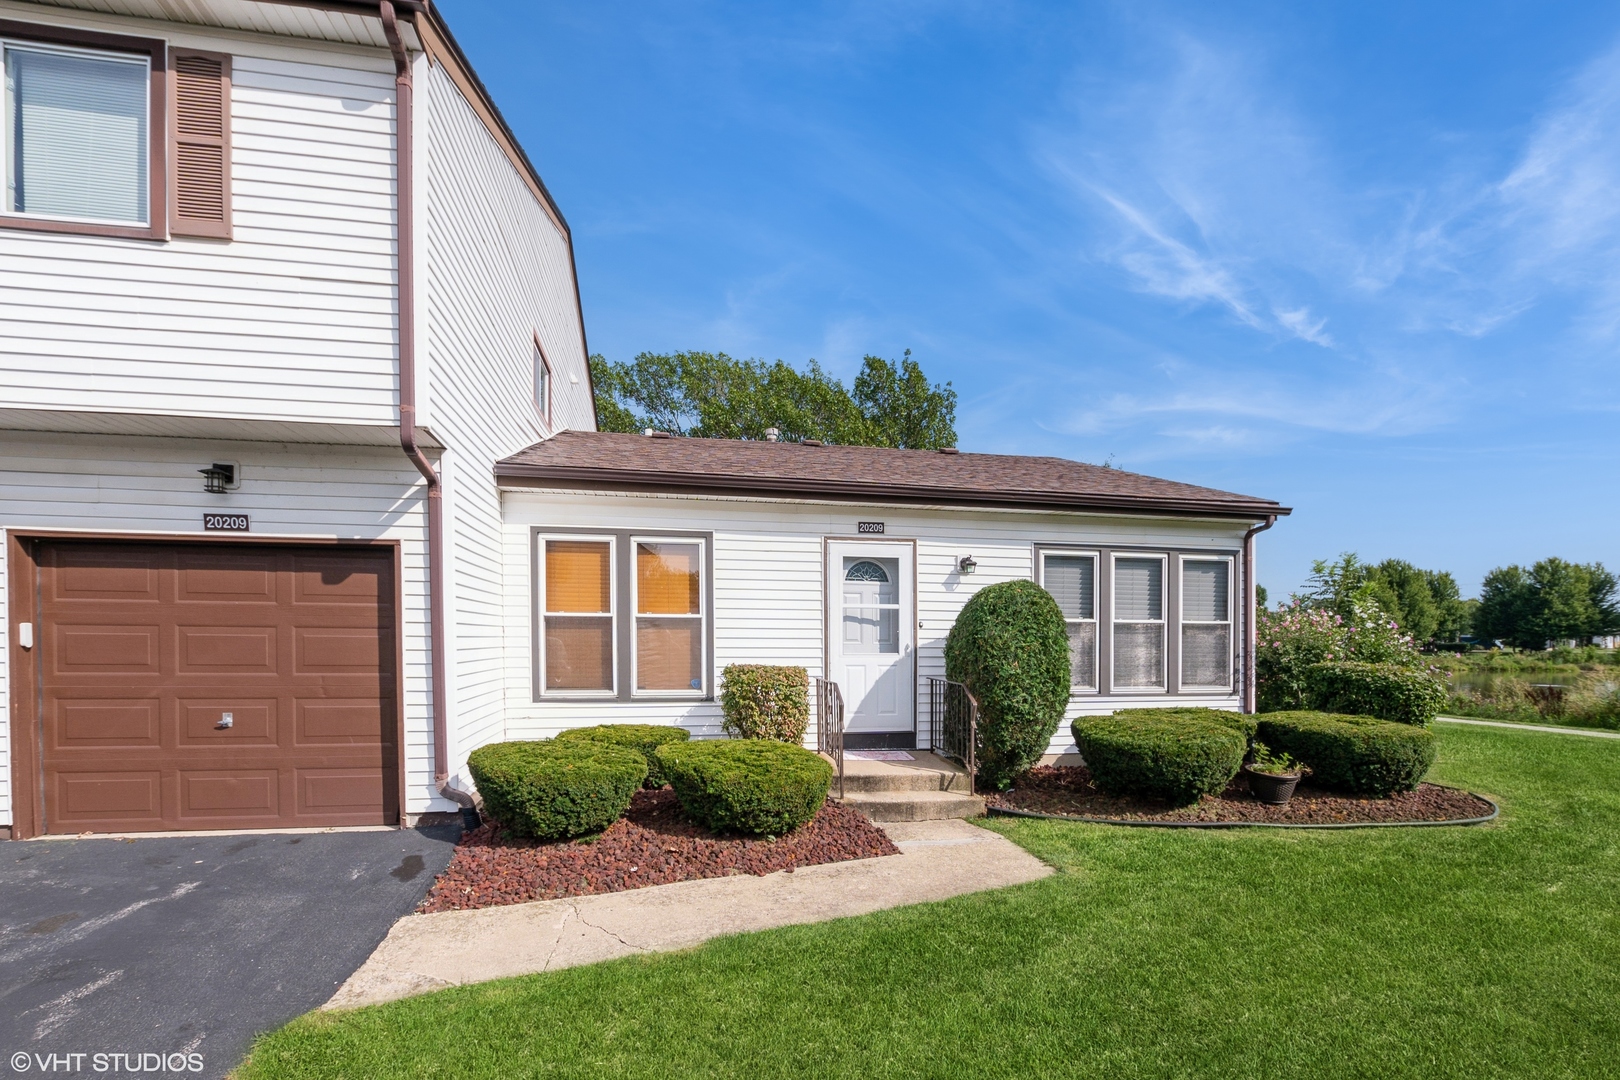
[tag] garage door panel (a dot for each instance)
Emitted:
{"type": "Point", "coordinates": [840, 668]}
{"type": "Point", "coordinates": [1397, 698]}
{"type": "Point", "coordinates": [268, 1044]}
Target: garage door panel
{"type": "Point", "coordinates": [117, 649]}
{"type": "Point", "coordinates": [134, 796]}
{"type": "Point", "coordinates": [296, 645]}
{"type": "Point", "coordinates": [252, 722]}
{"type": "Point", "coordinates": [337, 651]}
{"type": "Point", "coordinates": [112, 723]}
{"type": "Point", "coordinates": [218, 650]}
{"type": "Point", "coordinates": [86, 574]}
{"type": "Point", "coordinates": [227, 578]}
{"type": "Point", "coordinates": [339, 791]}
{"type": "Point", "coordinates": [237, 793]}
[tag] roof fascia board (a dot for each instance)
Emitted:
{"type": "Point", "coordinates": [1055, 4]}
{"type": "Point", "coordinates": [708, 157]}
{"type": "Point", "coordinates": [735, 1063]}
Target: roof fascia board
{"type": "Point", "coordinates": [588, 479]}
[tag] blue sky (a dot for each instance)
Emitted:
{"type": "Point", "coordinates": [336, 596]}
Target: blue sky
{"type": "Point", "coordinates": [1360, 258]}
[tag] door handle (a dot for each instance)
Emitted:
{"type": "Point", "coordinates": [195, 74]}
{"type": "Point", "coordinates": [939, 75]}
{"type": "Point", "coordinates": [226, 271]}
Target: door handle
{"type": "Point", "coordinates": [225, 720]}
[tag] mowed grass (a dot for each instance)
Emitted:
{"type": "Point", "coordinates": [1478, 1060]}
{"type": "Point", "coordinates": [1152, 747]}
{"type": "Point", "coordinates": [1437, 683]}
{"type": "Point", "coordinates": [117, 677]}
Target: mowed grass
{"type": "Point", "coordinates": [1482, 951]}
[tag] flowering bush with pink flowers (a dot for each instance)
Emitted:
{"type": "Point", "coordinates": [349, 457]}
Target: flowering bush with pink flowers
{"type": "Point", "coordinates": [1293, 638]}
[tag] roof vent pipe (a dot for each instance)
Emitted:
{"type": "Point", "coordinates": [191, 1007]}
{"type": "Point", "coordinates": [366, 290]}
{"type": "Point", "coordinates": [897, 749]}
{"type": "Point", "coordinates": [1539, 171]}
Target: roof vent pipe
{"type": "Point", "coordinates": [773, 434]}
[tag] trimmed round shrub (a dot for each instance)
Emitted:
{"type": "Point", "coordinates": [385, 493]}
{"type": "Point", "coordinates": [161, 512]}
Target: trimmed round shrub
{"type": "Point", "coordinates": [1174, 754]}
{"type": "Point", "coordinates": [765, 701]}
{"type": "Point", "coordinates": [1387, 691]}
{"type": "Point", "coordinates": [644, 738]}
{"type": "Point", "coordinates": [746, 785]}
{"type": "Point", "coordinates": [1362, 755]}
{"type": "Point", "coordinates": [1010, 647]}
{"type": "Point", "coordinates": [552, 790]}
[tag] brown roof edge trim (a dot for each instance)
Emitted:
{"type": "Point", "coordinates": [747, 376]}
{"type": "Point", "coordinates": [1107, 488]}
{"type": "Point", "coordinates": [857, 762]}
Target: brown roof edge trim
{"type": "Point", "coordinates": [845, 492]}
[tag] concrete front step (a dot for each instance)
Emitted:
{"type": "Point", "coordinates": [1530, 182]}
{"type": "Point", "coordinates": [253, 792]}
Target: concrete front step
{"type": "Point", "coordinates": [913, 805]}
{"type": "Point", "coordinates": [925, 772]}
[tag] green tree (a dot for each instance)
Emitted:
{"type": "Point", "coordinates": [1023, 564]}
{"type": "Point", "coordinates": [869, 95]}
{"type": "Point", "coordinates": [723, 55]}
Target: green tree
{"type": "Point", "coordinates": [1507, 603]}
{"type": "Point", "coordinates": [712, 395]}
{"type": "Point", "coordinates": [1552, 601]}
{"type": "Point", "coordinates": [1425, 603]}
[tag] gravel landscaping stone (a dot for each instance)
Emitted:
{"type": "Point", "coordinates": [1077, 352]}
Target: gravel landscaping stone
{"type": "Point", "coordinates": [653, 844]}
{"type": "Point", "coordinates": [1067, 790]}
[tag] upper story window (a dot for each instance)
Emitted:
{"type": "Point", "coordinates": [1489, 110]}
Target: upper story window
{"type": "Point", "coordinates": [77, 134]}
{"type": "Point", "coordinates": [542, 382]}
{"type": "Point", "coordinates": [1071, 578]}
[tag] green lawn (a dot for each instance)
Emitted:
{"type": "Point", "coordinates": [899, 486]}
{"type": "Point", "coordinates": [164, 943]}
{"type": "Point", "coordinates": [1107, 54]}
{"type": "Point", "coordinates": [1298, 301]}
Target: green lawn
{"type": "Point", "coordinates": [1468, 952]}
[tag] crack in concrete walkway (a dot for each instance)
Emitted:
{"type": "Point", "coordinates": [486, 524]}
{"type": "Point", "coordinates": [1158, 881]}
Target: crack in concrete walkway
{"type": "Point", "coordinates": [423, 953]}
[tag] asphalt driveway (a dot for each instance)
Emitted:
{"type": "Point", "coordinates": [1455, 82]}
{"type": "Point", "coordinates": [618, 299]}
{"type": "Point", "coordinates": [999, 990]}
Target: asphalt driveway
{"type": "Point", "coordinates": [189, 945]}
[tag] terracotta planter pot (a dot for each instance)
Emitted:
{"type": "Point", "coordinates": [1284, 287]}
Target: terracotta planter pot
{"type": "Point", "coordinates": [1270, 788]}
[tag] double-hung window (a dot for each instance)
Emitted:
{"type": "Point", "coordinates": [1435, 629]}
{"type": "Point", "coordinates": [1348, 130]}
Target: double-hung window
{"type": "Point", "coordinates": [77, 134]}
{"type": "Point", "coordinates": [669, 627]}
{"type": "Point", "coordinates": [1206, 623]}
{"type": "Point", "coordinates": [1138, 615]}
{"type": "Point", "coordinates": [1071, 578]}
{"type": "Point", "coordinates": [577, 653]}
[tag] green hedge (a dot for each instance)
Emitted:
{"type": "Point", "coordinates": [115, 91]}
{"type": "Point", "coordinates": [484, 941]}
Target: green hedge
{"type": "Point", "coordinates": [551, 790]}
{"type": "Point", "coordinates": [1387, 691]}
{"type": "Point", "coordinates": [1010, 647]}
{"type": "Point", "coordinates": [747, 785]}
{"type": "Point", "coordinates": [1174, 754]}
{"type": "Point", "coordinates": [644, 738]}
{"type": "Point", "coordinates": [764, 701]}
{"type": "Point", "coordinates": [1359, 754]}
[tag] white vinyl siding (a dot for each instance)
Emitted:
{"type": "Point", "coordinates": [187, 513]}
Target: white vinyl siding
{"type": "Point", "coordinates": [1206, 623]}
{"type": "Point", "coordinates": [769, 588]}
{"type": "Point", "coordinates": [292, 320]}
{"type": "Point", "coordinates": [76, 133]}
{"type": "Point", "coordinates": [112, 484]}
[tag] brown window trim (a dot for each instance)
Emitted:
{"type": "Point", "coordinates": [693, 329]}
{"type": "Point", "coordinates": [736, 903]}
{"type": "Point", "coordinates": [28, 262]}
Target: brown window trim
{"type": "Point", "coordinates": [157, 131]}
{"type": "Point", "coordinates": [551, 383]}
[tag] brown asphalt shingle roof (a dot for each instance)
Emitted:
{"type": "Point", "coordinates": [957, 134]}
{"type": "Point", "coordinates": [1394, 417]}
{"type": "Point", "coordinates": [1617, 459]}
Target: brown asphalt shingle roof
{"type": "Point", "coordinates": [597, 460]}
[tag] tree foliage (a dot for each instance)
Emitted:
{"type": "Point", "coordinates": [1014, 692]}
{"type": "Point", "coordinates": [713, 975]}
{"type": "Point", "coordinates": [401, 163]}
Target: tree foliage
{"type": "Point", "coordinates": [1554, 600]}
{"type": "Point", "coordinates": [712, 395]}
{"type": "Point", "coordinates": [1426, 603]}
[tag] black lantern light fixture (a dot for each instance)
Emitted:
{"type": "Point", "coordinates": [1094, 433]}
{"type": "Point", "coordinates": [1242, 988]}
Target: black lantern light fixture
{"type": "Point", "coordinates": [218, 477]}
{"type": "Point", "coordinates": [966, 565]}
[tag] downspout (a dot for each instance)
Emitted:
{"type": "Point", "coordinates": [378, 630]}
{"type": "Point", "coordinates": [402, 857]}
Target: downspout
{"type": "Point", "coordinates": [406, 227]}
{"type": "Point", "coordinates": [1251, 618]}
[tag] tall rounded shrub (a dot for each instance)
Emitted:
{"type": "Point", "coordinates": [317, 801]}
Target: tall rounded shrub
{"type": "Point", "coordinates": [1010, 647]}
{"type": "Point", "coordinates": [552, 790]}
{"type": "Point", "coordinates": [765, 701]}
{"type": "Point", "coordinates": [643, 738]}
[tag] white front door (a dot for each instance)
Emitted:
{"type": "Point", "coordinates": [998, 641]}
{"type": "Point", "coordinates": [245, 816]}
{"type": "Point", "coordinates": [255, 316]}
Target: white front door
{"type": "Point", "coordinates": [872, 635]}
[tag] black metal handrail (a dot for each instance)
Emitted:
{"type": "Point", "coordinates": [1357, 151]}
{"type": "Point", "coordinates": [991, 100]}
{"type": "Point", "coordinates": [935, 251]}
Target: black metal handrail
{"type": "Point", "coordinates": [830, 726]}
{"type": "Point", "coordinates": [953, 716]}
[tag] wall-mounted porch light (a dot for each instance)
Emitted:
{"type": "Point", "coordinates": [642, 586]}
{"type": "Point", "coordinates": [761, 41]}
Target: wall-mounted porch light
{"type": "Point", "coordinates": [218, 477]}
{"type": "Point", "coordinates": [966, 565]}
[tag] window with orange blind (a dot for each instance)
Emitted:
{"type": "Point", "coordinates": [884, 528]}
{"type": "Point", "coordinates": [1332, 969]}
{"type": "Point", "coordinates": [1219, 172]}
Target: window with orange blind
{"type": "Point", "coordinates": [577, 653]}
{"type": "Point", "coordinates": [669, 616]}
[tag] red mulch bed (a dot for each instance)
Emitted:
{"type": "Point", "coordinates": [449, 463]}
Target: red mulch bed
{"type": "Point", "coordinates": [1061, 789]}
{"type": "Point", "coordinates": [653, 844]}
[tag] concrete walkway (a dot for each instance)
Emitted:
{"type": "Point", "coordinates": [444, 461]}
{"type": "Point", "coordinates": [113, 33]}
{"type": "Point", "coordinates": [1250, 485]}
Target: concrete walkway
{"type": "Point", "coordinates": [938, 859]}
{"type": "Point", "coordinates": [1531, 727]}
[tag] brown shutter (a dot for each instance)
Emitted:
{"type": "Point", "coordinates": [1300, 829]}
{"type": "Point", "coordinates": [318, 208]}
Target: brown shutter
{"type": "Point", "coordinates": [200, 135]}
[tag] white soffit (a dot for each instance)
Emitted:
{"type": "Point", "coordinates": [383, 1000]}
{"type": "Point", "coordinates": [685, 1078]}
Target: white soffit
{"type": "Point", "coordinates": [285, 20]}
{"type": "Point", "coordinates": [65, 422]}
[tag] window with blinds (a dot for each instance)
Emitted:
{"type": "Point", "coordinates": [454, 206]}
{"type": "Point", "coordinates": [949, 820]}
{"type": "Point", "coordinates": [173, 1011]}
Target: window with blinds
{"type": "Point", "coordinates": [669, 616]}
{"type": "Point", "coordinates": [200, 137]}
{"type": "Point", "coordinates": [1072, 581]}
{"type": "Point", "coordinates": [577, 654]}
{"type": "Point", "coordinates": [1206, 623]}
{"type": "Point", "coordinates": [76, 134]}
{"type": "Point", "coordinates": [1138, 623]}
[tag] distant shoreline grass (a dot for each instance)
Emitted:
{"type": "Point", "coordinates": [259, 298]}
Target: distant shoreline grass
{"type": "Point", "coordinates": [1433, 953]}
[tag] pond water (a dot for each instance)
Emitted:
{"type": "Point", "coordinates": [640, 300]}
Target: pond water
{"type": "Point", "coordinates": [1486, 683]}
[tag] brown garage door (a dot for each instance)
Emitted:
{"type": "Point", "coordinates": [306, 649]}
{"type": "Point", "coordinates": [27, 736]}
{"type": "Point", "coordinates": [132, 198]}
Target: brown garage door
{"type": "Point", "coordinates": [196, 686]}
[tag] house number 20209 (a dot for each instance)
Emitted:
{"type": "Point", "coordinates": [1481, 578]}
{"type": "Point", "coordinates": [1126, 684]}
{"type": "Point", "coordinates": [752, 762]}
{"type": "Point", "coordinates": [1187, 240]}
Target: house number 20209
{"type": "Point", "coordinates": [225, 522]}
{"type": "Point", "coordinates": [869, 526]}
